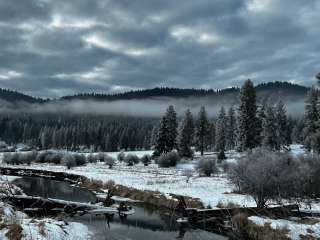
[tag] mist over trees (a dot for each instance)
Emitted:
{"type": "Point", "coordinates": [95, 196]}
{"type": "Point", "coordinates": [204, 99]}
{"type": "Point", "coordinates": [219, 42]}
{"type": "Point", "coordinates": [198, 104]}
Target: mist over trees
{"type": "Point", "coordinates": [243, 128]}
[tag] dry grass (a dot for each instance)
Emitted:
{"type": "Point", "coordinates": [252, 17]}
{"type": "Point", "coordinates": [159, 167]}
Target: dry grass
{"type": "Point", "coordinates": [14, 232]}
{"type": "Point", "coordinates": [308, 221]}
{"type": "Point", "coordinates": [266, 232]}
{"type": "Point", "coordinates": [151, 197]}
{"type": "Point", "coordinates": [251, 231]}
{"type": "Point", "coordinates": [307, 237]}
{"type": "Point", "coordinates": [228, 205]}
{"type": "Point", "coordinates": [41, 227]}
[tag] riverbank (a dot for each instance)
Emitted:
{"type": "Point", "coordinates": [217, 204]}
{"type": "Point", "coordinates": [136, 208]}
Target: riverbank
{"type": "Point", "coordinates": [16, 225]}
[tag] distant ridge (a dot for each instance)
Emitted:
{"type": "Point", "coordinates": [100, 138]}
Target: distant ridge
{"type": "Point", "coordinates": [263, 90]}
{"type": "Point", "coordinates": [271, 90]}
{"type": "Point", "coordinates": [14, 96]}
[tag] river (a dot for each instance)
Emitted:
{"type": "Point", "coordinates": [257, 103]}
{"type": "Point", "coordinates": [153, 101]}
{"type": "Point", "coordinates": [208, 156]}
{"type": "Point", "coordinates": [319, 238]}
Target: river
{"type": "Point", "coordinates": [147, 223]}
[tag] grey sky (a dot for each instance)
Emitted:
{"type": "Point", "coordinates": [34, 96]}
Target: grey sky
{"type": "Point", "coordinates": [50, 48]}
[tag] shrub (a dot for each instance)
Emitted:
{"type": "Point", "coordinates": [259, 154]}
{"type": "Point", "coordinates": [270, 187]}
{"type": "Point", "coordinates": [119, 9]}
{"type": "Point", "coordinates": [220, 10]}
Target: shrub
{"type": "Point", "coordinates": [146, 159]}
{"type": "Point", "coordinates": [54, 158]}
{"type": "Point", "coordinates": [91, 158]}
{"type": "Point", "coordinates": [109, 160]}
{"type": "Point", "coordinates": [80, 159]}
{"type": "Point", "coordinates": [121, 156]}
{"type": "Point", "coordinates": [69, 161]}
{"type": "Point", "coordinates": [11, 158]}
{"type": "Point", "coordinates": [207, 166]}
{"type": "Point", "coordinates": [169, 159]}
{"type": "Point", "coordinates": [41, 157]}
{"type": "Point", "coordinates": [27, 158]}
{"type": "Point", "coordinates": [131, 159]}
{"type": "Point", "coordinates": [221, 156]}
{"type": "Point", "coordinates": [267, 175]}
{"type": "Point", "coordinates": [14, 232]}
{"type": "Point", "coordinates": [100, 157]}
{"type": "Point", "coordinates": [188, 173]}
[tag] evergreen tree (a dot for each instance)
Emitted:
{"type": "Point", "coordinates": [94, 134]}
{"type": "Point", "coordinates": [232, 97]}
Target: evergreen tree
{"type": "Point", "coordinates": [311, 117]}
{"type": "Point", "coordinates": [221, 131]}
{"type": "Point", "coordinates": [261, 116]}
{"type": "Point", "coordinates": [270, 138]}
{"type": "Point", "coordinates": [248, 121]}
{"type": "Point", "coordinates": [167, 133]}
{"type": "Point", "coordinates": [186, 134]}
{"type": "Point", "coordinates": [210, 140]}
{"type": "Point", "coordinates": [231, 129]}
{"type": "Point", "coordinates": [282, 125]}
{"type": "Point", "coordinates": [201, 129]}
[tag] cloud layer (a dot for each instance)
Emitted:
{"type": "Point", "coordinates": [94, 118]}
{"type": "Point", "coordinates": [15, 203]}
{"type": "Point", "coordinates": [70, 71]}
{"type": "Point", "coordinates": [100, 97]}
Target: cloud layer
{"type": "Point", "coordinates": [50, 48]}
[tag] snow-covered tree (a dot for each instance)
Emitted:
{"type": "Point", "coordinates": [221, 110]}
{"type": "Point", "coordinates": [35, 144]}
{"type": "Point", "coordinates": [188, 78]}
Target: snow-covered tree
{"type": "Point", "coordinates": [270, 137]}
{"type": "Point", "coordinates": [201, 129]}
{"type": "Point", "coordinates": [247, 118]}
{"type": "Point", "coordinates": [221, 131]}
{"type": "Point", "coordinates": [282, 125]}
{"type": "Point", "coordinates": [186, 134]}
{"type": "Point", "coordinates": [167, 134]}
{"type": "Point", "coordinates": [311, 117]}
{"type": "Point", "coordinates": [231, 129]}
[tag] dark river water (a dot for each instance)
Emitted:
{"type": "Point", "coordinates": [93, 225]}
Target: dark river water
{"type": "Point", "coordinates": [146, 224]}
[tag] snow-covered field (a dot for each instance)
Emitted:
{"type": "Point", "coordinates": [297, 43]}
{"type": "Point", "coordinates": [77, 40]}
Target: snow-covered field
{"type": "Point", "coordinates": [210, 190]}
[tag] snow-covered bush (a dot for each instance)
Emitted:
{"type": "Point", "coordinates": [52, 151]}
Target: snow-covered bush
{"type": "Point", "coordinates": [54, 158]}
{"type": "Point", "coordinates": [267, 175]}
{"type": "Point", "coordinates": [69, 160]}
{"type": "Point", "coordinates": [91, 158]}
{"type": "Point", "coordinates": [27, 158]}
{"type": "Point", "coordinates": [109, 160]}
{"type": "Point", "coordinates": [131, 159]}
{"type": "Point", "coordinates": [146, 159]}
{"type": "Point", "coordinates": [221, 156]}
{"type": "Point", "coordinates": [121, 156]}
{"type": "Point", "coordinates": [207, 166]}
{"type": "Point", "coordinates": [11, 158]}
{"type": "Point", "coordinates": [169, 159]}
{"type": "Point", "coordinates": [19, 158]}
{"type": "Point", "coordinates": [41, 157]}
{"type": "Point", "coordinates": [100, 157]}
{"type": "Point", "coordinates": [188, 173]}
{"type": "Point", "coordinates": [80, 159]}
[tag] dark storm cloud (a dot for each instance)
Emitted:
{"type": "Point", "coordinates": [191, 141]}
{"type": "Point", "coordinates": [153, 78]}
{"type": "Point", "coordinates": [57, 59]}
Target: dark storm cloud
{"type": "Point", "coordinates": [51, 48]}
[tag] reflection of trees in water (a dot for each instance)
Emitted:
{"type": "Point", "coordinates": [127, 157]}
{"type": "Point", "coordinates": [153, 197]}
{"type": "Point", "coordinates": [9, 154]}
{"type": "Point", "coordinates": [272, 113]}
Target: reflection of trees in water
{"type": "Point", "coordinates": [53, 189]}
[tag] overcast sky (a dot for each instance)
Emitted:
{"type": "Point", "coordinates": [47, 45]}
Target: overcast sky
{"type": "Point", "coordinates": [51, 48]}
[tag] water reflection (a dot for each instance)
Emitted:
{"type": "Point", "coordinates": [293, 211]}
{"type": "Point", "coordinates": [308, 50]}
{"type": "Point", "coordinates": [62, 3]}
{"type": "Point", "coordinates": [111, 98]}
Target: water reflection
{"type": "Point", "coordinates": [147, 222]}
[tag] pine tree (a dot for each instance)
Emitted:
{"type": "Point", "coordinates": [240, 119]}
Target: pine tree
{"type": "Point", "coordinates": [311, 117]}
{"type": "Point", "coordinates": [261, 116]}
{"type": "Point", "coordinates": [186, 134]}
{"type": "Point", "coordinates": [231, 129]}
{"type": "Point", "coordinates": [172, 125]}
{"type": "Point", "coordinates": [270, 138]}
{"type": "Point", "coordinates": [167, 133]}
{"type": "Point", "coordinates": [248, 121]}
{"type": "Point", "coordinates": [210, 140]}
{"type": "Point", "coordinates": [221, 131]}
{"type": "Point", "coordinates": [201, 129]}
{"type": "Point", "coordinates": [282, 125]}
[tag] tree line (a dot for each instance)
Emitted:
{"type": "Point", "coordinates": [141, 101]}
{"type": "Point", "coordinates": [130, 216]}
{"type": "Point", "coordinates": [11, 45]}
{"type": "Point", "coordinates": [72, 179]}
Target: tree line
{"type": "Point", "coordinates": [245, 128]}
{"type": "Point", "coordinates": [248, 126]}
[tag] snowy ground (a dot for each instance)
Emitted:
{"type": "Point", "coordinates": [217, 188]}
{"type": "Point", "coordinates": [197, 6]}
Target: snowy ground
{"type": "Point", "coordinates": [210, 190]}
{"type": "Point", "coordinates": [296, 229]}
{"type": "Point", "coordinates": [36, 229]}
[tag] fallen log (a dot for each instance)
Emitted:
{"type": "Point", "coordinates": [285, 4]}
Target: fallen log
{"type": "Point", "coordinates": [54, 206]}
